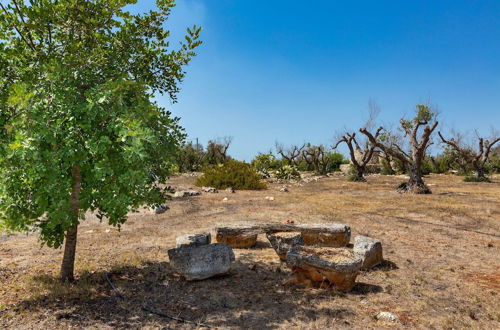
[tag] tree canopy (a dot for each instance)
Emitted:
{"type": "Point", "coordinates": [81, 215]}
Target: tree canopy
{"type": "Point", "coordinates": [79, 128]}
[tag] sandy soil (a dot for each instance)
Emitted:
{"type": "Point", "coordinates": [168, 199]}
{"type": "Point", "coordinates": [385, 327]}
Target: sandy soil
{"type": "Point", "coordinates": [442, 267]}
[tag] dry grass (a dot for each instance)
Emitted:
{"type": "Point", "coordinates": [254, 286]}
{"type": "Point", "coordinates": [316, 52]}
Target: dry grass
{"type": "Point", "coordinates": [442, 269]}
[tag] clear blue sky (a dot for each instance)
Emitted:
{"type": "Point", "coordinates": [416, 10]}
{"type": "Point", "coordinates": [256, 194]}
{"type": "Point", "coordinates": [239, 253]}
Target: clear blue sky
{"type": "Point", "coordinates": [295, 71]}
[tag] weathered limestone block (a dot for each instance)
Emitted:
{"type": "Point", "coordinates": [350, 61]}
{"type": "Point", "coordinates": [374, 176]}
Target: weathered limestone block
{"type": "Point", "coordinates": [327, 235]}
{"type": "Point", "coordinates": [193, 240]}
{"type": "Point", "coordinates": [242, 235]}
{"type": "Point", "coordinates": [283, 242]}
{"type": "Point", "coordinates": [201, 262]}
{"type": "Point", "coordinates": [336, 266]}
{"type": "Point", "coordinates": [369, 250]}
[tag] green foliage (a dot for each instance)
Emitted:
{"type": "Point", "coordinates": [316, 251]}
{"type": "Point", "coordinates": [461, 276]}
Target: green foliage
{"type": "Point", "coordinates": [191, 158]}
{"type": "Point", "coordinates": [493, 164]}
{"type": "Point", "coordinates": [386, 168]}
{"type": "Point", "coordinates": [354, 176]}
{"type": "Point", "coordinates": [264, 164]}
{"type": "Point", "coordinates": [76, 90]}
{"type": "Point", "coordinates": [232, 174]}
{"type": "Point", "coordinates": [287, 172]}
{"type": "Point", "coordinates": [476, 179]}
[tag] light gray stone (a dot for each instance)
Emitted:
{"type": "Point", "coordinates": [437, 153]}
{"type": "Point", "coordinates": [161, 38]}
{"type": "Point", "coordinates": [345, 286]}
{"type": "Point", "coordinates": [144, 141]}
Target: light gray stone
{"type": "Point", "coordinates": [369, 250]}
{"type": "Point", "coordinates": [201, 262]}
{"type": "Point", "coordinates": [209, 190]}
{"type": "Point", "coordinates": [186, 193]}
{"type": "Point", "coordinates": [386, 316]}
{"type": "Point", "coordinates": [193, 240]}
{"type": "Point", "coordinates": [161, 209]}
{"type": "Point", "coordinates": [230, 190]}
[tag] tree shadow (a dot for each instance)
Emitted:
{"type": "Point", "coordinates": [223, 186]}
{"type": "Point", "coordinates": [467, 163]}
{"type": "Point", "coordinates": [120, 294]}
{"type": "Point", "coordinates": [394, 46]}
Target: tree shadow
{"type": "Point", "coordinates": [251, 296]}
{"type": "Point", "coordinates": [385, 265]}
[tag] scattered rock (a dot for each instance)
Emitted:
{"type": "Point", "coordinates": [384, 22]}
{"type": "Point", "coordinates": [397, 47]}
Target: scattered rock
{"type": "Point", "coordinates": [230, 190]}
{"type": "Point", "coordinates": [201, 262]}
{"type": "Point", "coordinates": [242, 235]}
{"type": "Point", "coordinates": [209, 190]}
{"type": "Point", "coordinates": [327, 235]}
{"type": "Point", "coordinates": [190, 240]}
{"type": "Point", "coordinates": [284, 189]}
{"type": "Point", "coordinates": [336, 266]}
{"type": "Point", "coordinates": [225, 199]}
{"type": "Point", "coordinates": [269, 198]}
{"type": "Point", "coordinates": [186, 193]}
{"type": "Point", "coordinates": [386, 316]}
{"type": "Point", "coordinates": [283, 242]}
{"type": "Point", "coordinates": [162, 209]}
{"type": "Point", "coordinates": [369, 250]}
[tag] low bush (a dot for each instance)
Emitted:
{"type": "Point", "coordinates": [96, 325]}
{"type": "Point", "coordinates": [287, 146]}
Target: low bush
{"type": "Point", "coordinates": [264, 164]}
{"type": "Point", "coordinates": [287, 172]}
{"type": "Point", "coordinates": [475, 179]}
{"type": "Point", "coordinates": [232, 174]}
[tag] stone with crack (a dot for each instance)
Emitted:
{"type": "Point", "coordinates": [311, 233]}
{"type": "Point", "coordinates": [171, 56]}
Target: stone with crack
{"type": "Point", "coordinates": [201, 262]}
{"type": "Point", "coordinates": [369, 250]}
{"type": "Point", "coordinates": [283, 242]}
{"type": "Point", "coordinates": [336, 266]}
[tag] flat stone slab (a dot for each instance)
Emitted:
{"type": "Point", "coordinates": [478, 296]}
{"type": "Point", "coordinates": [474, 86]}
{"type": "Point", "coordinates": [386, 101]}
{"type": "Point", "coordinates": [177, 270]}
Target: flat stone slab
{"type": "Point", "coordinates": [242, 235]}
{"type": "Point", "coordinates": [283, 242]}
{"type": "Point", "coordinates": [201, 262]}
{"type": "Point", "coordinates": [193, 240]}
{"type": "Point", "coordinates": [336, 266]}
{"type": "Point", "coordinates": [369, 250]}
{"type": "Point", "coordinates": [326, 235]}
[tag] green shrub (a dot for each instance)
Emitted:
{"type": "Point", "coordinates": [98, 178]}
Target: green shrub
{"type": "Point", "coordinates": [232, 174]}
{"type": "Point", "coordinates": [386, 168]}
{"type": "Point", "coordinates": [264, 164]}
{"type": "Point", "coordinates": [287, 172]}
{"type": "Point", "coordinates": [475, 179]}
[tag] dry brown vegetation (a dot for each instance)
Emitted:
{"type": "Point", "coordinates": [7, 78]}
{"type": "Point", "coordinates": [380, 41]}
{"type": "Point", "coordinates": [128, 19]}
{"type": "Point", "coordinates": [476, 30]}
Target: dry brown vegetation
{"type": "Point", "coordinates": [442, 267]}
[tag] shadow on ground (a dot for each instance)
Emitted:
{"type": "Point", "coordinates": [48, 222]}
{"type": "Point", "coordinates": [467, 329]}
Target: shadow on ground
{"type": "Point", "coordinates": [236, 300]}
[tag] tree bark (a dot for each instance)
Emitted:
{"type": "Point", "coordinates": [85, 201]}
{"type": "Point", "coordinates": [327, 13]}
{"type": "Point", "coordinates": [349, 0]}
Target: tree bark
{"type": "Point", "coordinates": [68, 261]}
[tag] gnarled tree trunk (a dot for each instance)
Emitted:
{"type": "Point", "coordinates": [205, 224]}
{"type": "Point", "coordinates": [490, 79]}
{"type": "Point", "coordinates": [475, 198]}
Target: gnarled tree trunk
{"type": "Point", "coordinates": [68, 262]}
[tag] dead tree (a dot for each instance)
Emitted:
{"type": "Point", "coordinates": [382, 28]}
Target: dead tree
{"type": "Point", "coordinates": [366, 153]}
{"type": "Point", "coordinates": [316, 158]}
{"type": "Point", "coordinates": [217, 150]}
{"type": "Point", "coordinates": [476, 158]}
{"type": "Point", "coordinates": [290, 154]}
{"type": "Point", "coordinates": [412, 159]}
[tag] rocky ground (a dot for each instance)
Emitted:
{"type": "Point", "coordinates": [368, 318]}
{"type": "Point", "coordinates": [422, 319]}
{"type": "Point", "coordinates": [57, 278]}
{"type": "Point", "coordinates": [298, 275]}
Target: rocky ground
{"type": "Point", "coordinates": [442, 267]}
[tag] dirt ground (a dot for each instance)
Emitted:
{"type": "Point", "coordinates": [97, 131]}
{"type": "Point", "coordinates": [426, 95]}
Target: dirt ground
{"type": "Point", "coordinates": [442, 267]}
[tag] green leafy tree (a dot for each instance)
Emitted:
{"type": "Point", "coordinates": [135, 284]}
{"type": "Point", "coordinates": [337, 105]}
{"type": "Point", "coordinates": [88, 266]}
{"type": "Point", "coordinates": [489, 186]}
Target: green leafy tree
{"type": "Point", "coordinates": [79, 130]}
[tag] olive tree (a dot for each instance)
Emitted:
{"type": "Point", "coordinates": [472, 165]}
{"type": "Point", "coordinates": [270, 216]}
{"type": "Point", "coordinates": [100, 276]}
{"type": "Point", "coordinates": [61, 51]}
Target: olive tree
{"type": "Point", "coordinates": [418, 132]}
{"type": "Point", "coordinates": [477, 158]}
{"type": "Point", "coordinates": [79, 130]}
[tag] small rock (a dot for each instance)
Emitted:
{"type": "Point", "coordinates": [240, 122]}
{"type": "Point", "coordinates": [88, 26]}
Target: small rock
{"type": "Point", "coordinates": [225, 199]}
{"type": "Point", "coordinates": [108, 230]}
{"type": "Point", "coordinates": [186, 193]}
{"type": "Point", "coordinates": [209, 190]}
{"type": "Point", "coordinates": [230, 190]}
{"type": "Point", "coordinates": [284, 189]}
{"type": "Point", "coordinates": [201, 262]}
{"type": "Point", "coordinates": [369, 250]}
{"type": "Point", "coordinates": [386, 316]}
{"type": "Point", "coordinates": [161, 209]}
{"type": "Point", "coordinates": [190, 240]}
{"type": "Point", "coordinates": [269, 198]}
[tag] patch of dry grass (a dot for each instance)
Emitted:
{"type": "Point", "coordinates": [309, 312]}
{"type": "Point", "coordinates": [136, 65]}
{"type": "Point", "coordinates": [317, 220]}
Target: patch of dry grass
{"type": "Point", "coordinates": [442, 268]}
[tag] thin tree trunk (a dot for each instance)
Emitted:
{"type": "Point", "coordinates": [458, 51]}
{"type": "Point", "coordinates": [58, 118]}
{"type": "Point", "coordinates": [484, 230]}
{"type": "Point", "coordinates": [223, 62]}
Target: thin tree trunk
{"type": "Point", "coordinates": [68, 262]}
{"type": "Point", "coordinates": [480, 171]}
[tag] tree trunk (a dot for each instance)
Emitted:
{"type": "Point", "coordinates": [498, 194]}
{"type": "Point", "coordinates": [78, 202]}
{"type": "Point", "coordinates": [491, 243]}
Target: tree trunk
{"type": "Point", "coordinates": [416, 183]}
{"type": "Point", "coordinates": [68, 262]}
{"type": "Point", "coordinates": [357, 173]}
{"type": "Point", "coordinates": [479, 171]}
